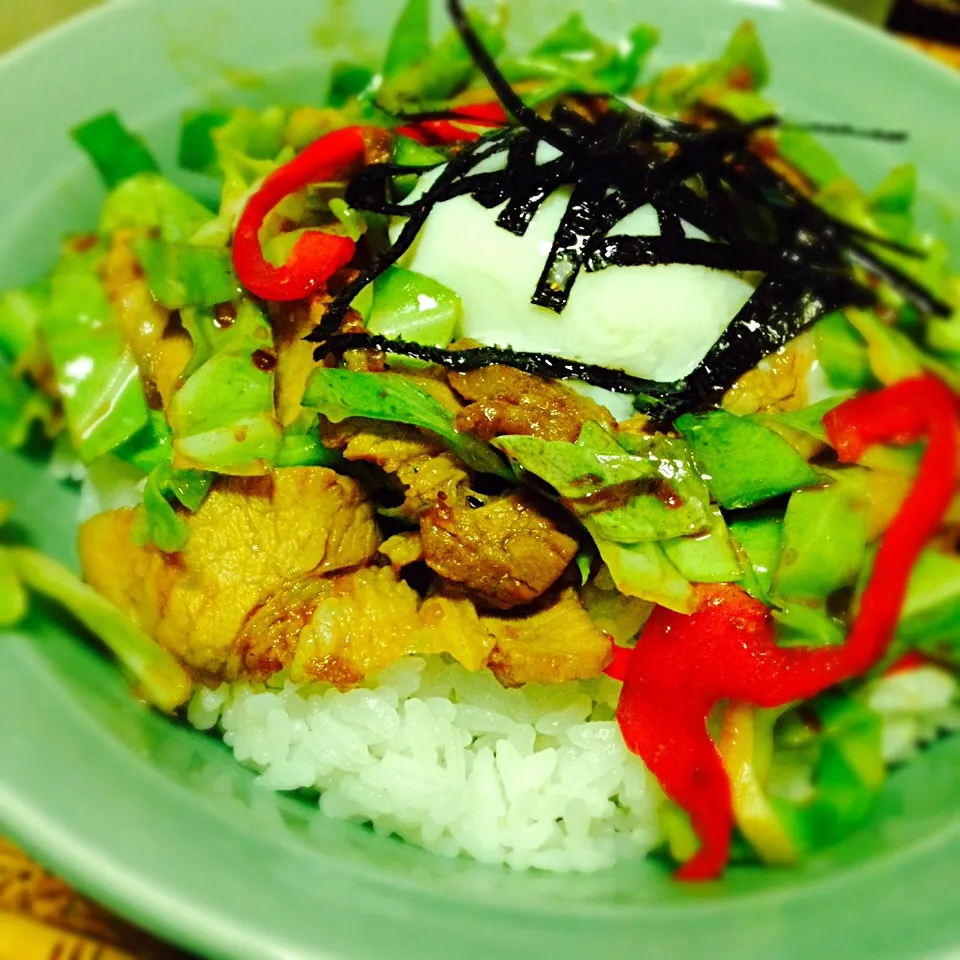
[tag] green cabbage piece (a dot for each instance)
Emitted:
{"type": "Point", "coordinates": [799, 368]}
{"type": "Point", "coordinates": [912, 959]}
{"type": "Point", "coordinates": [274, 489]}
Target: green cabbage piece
{"type": "Point", "coordinates": [301, 446]}
{"type": "Point", "coordinates": [894, 355]}
{"type": "Point", "coordinates": [800, 625]}
{"type": "Point", "coordinates": [643, 570]}
{"type": "Point", "coordinates": [180, 275]}
{"type": "Point", "coordinates": [943, 333]}
{"type": "Point", "coordinates": [843, 749]}
{"type": "Point", "coordinates": [116, 152]}
{"type": "Point", "coordinates": [22, 404]}
{"type": "Point", "coordinates": [413, 307]}
{"type": "Point", "coordinates": [222, 417]}
{"type": "Point", "coordinates": [438, 73]}
{"type": "Point", "coordinates": [13, 596]}
{"type": "Point", "coordinates": [150, 446]}
{"type": "Point", "coordinates": [678, 88]}
{"type": "Point", "coordinates": [805, 152]}
{"type": "Point", "coordinates": [652, 545]}
{"type": "Point", "coordinates": [247, 147]}
{"type": "Point", "coordinates": [824, 538]}
{"type": "Point", "coordinates": [350, 82]}
{"type": "Point", "coordinates": [20, 312]}
{"type": "Point", "coordinates": [710, 557]}
{"type": "Point", "coordinates": [151, 202]}
{"type": "Point", "coordinates": [757, 540]}
{"type": "Point", "coordinates": [647, 491]}
{"type": "Point", "coordinates": [931, 610]}
{"type": "Point", "coordinates": [742, 462]}
{"type": "Point", "coordinates": [409, 42]}
{"type": "Point", "coordinates": [888, 212]}
{"type": "Point", "coordinates": [155, 673]}
{"type": "Point", "coordinates": [197, 150]}
{"type": "Point", "coordinates": [95, 369]}
{"type": "Point", "coordinates": [842, 353]}
{"type": "Point", "coordinates": [20, 407]}
{"type": "Point", "coordinates": [572, 57]}
{"type": "Point", "coordinates": [157, 521]}
{"type": "Point", "coordinates": [339, 394]}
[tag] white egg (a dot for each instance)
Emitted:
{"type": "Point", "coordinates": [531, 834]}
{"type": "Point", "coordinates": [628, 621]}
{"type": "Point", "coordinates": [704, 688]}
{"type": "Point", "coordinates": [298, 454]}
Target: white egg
{"type": "Point", "coordinates": [656, 322]}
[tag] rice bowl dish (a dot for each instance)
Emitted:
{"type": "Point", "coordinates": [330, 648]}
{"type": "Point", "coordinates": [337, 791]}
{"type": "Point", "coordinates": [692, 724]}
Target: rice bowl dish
{"type": "Point", "coordinates": [453, 720]}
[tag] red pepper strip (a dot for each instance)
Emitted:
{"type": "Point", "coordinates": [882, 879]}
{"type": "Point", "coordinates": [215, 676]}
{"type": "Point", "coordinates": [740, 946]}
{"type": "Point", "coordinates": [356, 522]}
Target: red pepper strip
{"type": "Point", "coordinates": [440, 132]}
{"type": "Point", "coordinates": [621, 661]}
{"type": "Point", "coordinates": [903, 413]}
{"type": "Point", "coordinates": [316, 255]}
{"type": "Point", "coordinates": [684, 665]}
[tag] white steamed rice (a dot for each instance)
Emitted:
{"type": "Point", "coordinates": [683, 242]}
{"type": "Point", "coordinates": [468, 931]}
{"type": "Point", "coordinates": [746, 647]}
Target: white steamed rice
{"type": "Point", "coordinates": [453, 762]}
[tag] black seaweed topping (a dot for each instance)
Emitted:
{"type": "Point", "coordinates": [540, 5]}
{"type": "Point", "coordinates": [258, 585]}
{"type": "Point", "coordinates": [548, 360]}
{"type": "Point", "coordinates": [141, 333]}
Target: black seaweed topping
{"type": "Point", "coordinates": [616, 159]}
{"type": "Point", "coordinates": [541, 364]}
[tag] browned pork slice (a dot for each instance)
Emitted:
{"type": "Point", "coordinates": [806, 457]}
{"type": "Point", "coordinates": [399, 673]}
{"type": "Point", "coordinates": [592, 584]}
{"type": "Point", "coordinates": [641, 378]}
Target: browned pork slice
{"type": "Point", "coordinates": [342, 628]}
{"type": "Point", "coordinates": [402, 549]}
{"type": "Point", "coordinates": [501, 550]}
{"type": "Point", "coordinates": [556, 643]}
{"type": "Point", "coordinates": [506, 401]}
{"type": "Point", "coordinates": [250, 537]}
{"type": "Point", "coordinates": [422, 467]}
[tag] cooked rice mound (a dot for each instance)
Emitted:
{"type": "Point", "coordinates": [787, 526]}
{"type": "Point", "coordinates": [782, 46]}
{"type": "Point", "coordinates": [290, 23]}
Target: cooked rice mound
{"type": "Point", "coordinates": [453, 762]}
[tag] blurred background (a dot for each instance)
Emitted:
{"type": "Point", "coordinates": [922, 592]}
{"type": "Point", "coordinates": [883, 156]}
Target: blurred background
{"type": "Point", "coordinates": [937, 20]}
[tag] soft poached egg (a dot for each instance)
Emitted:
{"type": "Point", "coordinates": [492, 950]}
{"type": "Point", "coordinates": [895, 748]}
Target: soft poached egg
{"type": "Point", "coordinates": [656, 322]}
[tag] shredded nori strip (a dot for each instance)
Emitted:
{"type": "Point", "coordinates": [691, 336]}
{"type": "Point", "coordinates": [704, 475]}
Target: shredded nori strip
{"type": "Point", "coordinates": [540, 364]}
{"type": "Point", "coordinates": [746, 341]}
{"type": "Point", "coordinates": [616, 160]}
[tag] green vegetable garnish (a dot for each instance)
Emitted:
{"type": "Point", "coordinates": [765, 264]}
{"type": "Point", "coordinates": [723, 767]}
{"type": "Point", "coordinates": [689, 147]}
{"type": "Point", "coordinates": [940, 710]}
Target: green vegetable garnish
{"type": "Point", "coordinates": [409, 43]}
{"type": "Point", "coordinates": [931, 610]}
{"type": "Point", "coordinates": [197, 149]}
{"type": "Point", "coordinates": [409, 305]}
{"type": "Point", "coordinates": [842, 353]}
{"type": "Point", "coordinates": [162, 680]}
{"type": "Point", "coordinates": [157, 521]}
{"type": "Point", "coordinates": [149, 446]}
{"type": "Point", "coordinates": [439, 73]}
{"type": "Point", "coordinates": [339, 394]}
{"type": "Point", "coordinates": [758, 540]}
{"type": "Point", "coordinates": [804, 626]}
{"type": "Point", "coordinates": [115, 151]}
{"type": "Point", "coordinates": [824, 538]}
{"type": "Point", "coordinates": [223, 417]}
{"type": "Point", "coordinates": [150, 201]}
{"type": "Point", "coordinates": [650, 491]}
{"type": "Point", "coordinates": [20, 407]}
{"type": "Point", "coordinates": [572, 57]}
{"type": "Point", "coordinates": [13, 598]}
{"type": "Point", "coordinates": [20, 312]}
{"type": "Point", "coordinates": [742, 462]}
{"type": "Point", "coordinates": [98, 377]}
{"type": "Point", "coordinates": [159, 676]}
{"type": "Point", "coordinates": [349, 81]}
{"type": "Point", "coordinates": [709, 557]}
{"type": "Point", "coordinates": [743, 58]}
{"type": "Point", "coordinates": [643, 570]}
{"type": "Point", "coordinates": [184, 276]}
